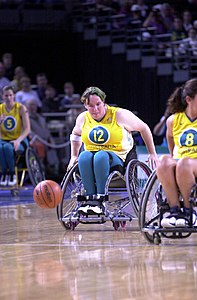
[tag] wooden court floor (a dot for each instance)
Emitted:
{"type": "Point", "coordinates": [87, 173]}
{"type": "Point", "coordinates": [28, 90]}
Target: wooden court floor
{"type": "Point", "coordinates": [39, 259]}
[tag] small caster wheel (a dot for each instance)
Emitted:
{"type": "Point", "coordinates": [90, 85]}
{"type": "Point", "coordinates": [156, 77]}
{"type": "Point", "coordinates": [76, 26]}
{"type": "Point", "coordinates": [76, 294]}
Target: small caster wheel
{"type": "Point", "coordinates": [67, 226]}
{"type": "Point", "coordinates": [116, 225]}
{"type": "Point", "coordinates": [123, 224]}
{"type": "Point", "coordinates": [73, 225]}
{"type": "Point", "coordinates": [15, 192]}
{"type": "Point", "coordinates": [156, 240]}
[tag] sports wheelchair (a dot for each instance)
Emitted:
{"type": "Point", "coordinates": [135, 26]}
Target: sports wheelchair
{"type": "Point", "coordinates": [26, 164]}
{"type": "Point", "coordinates": [123, 193]}
{"type": "Point", "coordinates": [154, 206]}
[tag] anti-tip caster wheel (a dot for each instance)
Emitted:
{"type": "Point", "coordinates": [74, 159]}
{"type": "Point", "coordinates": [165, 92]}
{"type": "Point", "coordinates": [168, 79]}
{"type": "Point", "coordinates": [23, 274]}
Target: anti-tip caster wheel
{"type": "Point", "coordinates": [73, 225]}
{"type": "Point", "coordinates": [116, 225]}
{"type": "Point", "coordinates": [123, 224]}
{"type": "Point", "coordinates": [15, 192]}
{"type": "Point", "coordinates": [156, 239]}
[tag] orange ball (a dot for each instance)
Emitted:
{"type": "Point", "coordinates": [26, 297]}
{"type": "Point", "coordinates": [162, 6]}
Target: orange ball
{"type": "Point", "coordinates": [47, 194]}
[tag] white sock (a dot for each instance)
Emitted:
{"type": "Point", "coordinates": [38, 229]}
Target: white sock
{"type": "Point", "coordinates": [100, 195]}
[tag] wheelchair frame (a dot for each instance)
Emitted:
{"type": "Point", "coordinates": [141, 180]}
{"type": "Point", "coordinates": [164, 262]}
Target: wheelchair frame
{"type": "Point", "coordinates": [123, 193]}
{"type": "Point", "coordinates": [32, 166]}
{"type": "Point", "coordinates": [154, 205]}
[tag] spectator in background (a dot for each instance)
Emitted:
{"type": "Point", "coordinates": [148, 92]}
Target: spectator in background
{"type": "Point", "coordinates": [126, 7]}
{"type": "Point", "coordinates": [68, 95]}
{"type": "Point", "coordinates": [19, 72]}
{"type": "Point", "coordinates": [51, 100]}
{"type": "Point", "coordinates": [160, 128]}
{"type": "Point", "coordinates": [72, 113]}
{"type": "Point", "coordinates": [189, 44]}
{"type": "Point", "coordinates": [168, 15]}
{"type": "Point", "coordinates": [156, 20]}
{"type": "Point", "coordinates": [42, 83]}
{"type": "Point", "coordinates": [178, 32]}
{"type": "Point", "coordinates": [143, 8]}
{"type": "Point", "coordinates": [3, 80]}
{"type": "Point", "coordinates": [195, 24]}
{"type": "Point", "coordinates": [136, 17]}
{"type": "Point", "coordinates": [26, 92]}
{"type": "Point", "coordinates": [7, 60]}
{"type": "Point", "coordinates": [47, 155]}
{"type": "Point", "coordinates": [187, 20]}
{"type": "Point", "coordinates": [57, 125]}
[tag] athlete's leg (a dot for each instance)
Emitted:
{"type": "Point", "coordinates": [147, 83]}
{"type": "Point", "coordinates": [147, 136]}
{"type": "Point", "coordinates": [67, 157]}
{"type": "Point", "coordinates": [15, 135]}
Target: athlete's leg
{"type": "Point", "coordinates": [166, 171]}
{"type": "Point", "coordinates": [9, 157]}
{"type": "Point", "coordinates": [85, 163]}
{"type": "Point", "coordinates": [3, 163]}
{"type": "Point", "coordinates": [103, 161]}
{"type": "Point", "coordinates": [23, 146]}
{"type": "Point", "coordinates": [186, 177]}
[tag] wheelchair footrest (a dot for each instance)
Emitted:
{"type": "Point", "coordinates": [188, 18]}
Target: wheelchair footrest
{"type": "Point", "coordinates": [95, 218]}
{"type": "Point", "coordinates": [91, 218]}
{"type": "Point", "coordinates": [121, 218]}
{"type": "Point", "coordinates": [156, 229]}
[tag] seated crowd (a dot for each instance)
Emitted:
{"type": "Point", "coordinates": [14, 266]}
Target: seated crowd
{"type": "Point", "coordinates": [40, 95]}
{"type": "Point", "coordinates": [178, 19]}
{"type": "Point", "coordinates": [41, 98]}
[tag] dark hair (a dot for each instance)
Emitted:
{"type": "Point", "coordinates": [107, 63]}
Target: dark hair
{"type": "Point", "coordinates": [93, 91]}
{"type": "Point", "coordinates": [177, 100]}
{"type": "Point", "coordinates": [42, 74]}
{"type": "Point", "coordinates": [7, 88]}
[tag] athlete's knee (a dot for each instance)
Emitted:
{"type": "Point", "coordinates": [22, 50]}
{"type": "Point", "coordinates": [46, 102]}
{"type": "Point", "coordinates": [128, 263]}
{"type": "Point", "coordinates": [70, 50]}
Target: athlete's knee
{"type": "Point", "coordinates": [8, 147]}
{"type": "Point", "coordinates": [85, 157]}
{"type": "Point", "coordinates": [166, 166]}
{"type": "Point", "coordinates": [184, 165]}
{"type": "Point", "coordinates": [165, 161]}
{"type": "Point", "coordinates": [101, 157]}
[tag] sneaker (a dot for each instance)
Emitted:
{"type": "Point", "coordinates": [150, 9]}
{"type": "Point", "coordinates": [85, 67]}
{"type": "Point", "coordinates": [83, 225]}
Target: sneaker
{"type": "Point", "coordinates": [12, 180]}
{"type": "Point", "coordinates": [95, 210]}
{"type": "Point", "coordinates": [90, 210]}
{"type": "Point", "coordinates": [187, 218]}
{"type": "Point", "coordinates": [171, 219]}
{"type": "Point", "coordinates": [178, 221]}
{"type": "Point", "coordinates": [4, 180]}
{"type": "Point", "coordinates": [93, 206]}
{"type": "Point", "coordinates": [182, 221]}
{"type": "Point", "coordinates": [83, 209]}
{"type": "Point", "coordinates": [194, 218]}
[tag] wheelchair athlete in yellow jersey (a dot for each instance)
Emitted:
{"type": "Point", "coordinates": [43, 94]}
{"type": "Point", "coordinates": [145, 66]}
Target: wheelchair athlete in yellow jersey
{"type": "Point", "coordinates": [106, 133]}
{"type": "Point", "coordinates": [14, 129]}
{"type": "Point", "coordinates": [177, 172]}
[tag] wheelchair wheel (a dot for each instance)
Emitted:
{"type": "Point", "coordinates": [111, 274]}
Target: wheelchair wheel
{"type": "Point", "coordinates": [36, 174]}
{"type": "Point", "coordinates": [137, 174]}
{"type": "Point", "coordinates": [149, 216]}
{"type": "Point", "coordinates": [118, 205]}
{"type": "Point", "coordinates": [71, 186]}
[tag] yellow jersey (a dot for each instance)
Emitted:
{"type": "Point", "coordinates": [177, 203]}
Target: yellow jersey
{"type": "Point", "coordinates": [106, 134]}
{"type": "Point", "coordinates": [11, 126]}
{"type": "Point", "coordinates": [185, 136]}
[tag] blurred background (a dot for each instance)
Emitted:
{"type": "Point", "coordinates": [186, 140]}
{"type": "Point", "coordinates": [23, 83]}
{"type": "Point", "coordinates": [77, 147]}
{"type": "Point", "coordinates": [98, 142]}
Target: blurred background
{"type": "Point", "coordinates": [136, 51]}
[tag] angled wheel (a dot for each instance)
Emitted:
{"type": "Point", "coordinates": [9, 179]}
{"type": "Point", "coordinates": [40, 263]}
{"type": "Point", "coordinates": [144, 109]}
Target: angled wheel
{"type": "Point", "coordinates": [36, 174]}
{"type": "Point", "coordinates": [149, 216]}
{"type": "Point", "coordinates": [118, 206]}
{"type": "Point", "coordinates": [137, 174]}
{"type": "Point", "coordinates": [71, 186]}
